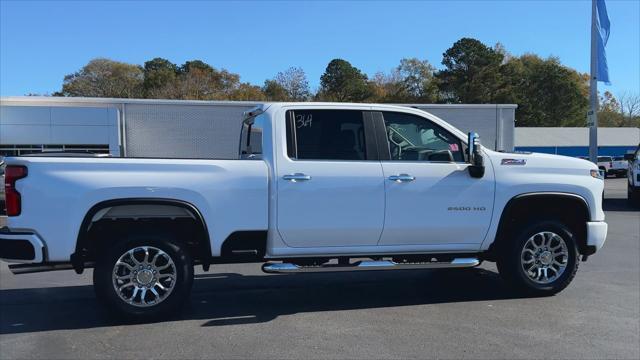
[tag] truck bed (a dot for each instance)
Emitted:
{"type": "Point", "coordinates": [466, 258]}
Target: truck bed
{"type": "Point", "coordinates": [59, 191]}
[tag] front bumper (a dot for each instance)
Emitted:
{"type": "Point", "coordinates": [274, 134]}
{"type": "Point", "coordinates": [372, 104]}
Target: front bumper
{"type": "Point", "coordinates": [20, 247]}
{"type": "Point", "coordinates": [596, 235]}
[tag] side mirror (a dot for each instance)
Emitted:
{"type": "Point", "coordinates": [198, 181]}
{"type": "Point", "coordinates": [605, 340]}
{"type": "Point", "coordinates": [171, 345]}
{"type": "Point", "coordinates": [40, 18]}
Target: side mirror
{"type": "Point", "coordinates": [476, 162]}
{"type": "Point", "coordinates": [630, 157]}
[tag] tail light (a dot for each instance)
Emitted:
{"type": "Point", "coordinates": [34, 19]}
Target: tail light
{"type": "Point", "coordinates": [12, 197]}
{"type": "Point", "coordinates": [611, 164]}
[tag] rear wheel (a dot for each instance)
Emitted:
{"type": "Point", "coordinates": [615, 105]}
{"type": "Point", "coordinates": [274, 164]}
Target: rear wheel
{"type": "Point", "coordinates": [144, 278]}
{"type": "Point", "coordinates": [541, 260]}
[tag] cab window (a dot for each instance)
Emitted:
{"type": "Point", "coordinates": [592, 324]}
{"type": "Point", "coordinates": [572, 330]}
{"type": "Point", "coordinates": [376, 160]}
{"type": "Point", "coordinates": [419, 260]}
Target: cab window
{"type": "Point", "coordinates": [414, 138]}
{"type": "Point", "coordinates": [251, 139]}
{"type": "Point", "coordinates": [326, 135]}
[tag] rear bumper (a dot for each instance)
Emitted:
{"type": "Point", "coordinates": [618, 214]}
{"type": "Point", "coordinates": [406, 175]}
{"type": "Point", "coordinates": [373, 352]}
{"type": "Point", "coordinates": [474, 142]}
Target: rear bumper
{"type": "Point", "coordinates": [20, 247]}
{"type": "Point", "coordinates": [596, 236]}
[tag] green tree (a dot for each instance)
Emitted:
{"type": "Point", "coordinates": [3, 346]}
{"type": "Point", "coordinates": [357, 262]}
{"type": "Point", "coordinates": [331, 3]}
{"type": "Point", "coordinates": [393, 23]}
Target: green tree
{"type": "Point", "coordinates": [417, 81]}
{"type": "Point", "coordinates": [471, 73]}
{"type": "Point", "coordinates": [412, 81]}
{"type": "Point", "coordinates": [198, 80]}
{"type": "Point", "coordinates": [547, 93]}
{"type": "Point", "coordinates": [160, 77]}
{"type": "Point", "coordinates": [105, 78]}
{"type": "Point", "coordinates": [343, 82]}
{"type": "Point", "coordinates": [273, 91]}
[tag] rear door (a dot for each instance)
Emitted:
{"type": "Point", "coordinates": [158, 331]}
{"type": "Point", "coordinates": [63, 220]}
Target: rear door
{"type": "Point", "coordinates": [330, 184]}
{"type": "Point", "coordinates": [430, 197]}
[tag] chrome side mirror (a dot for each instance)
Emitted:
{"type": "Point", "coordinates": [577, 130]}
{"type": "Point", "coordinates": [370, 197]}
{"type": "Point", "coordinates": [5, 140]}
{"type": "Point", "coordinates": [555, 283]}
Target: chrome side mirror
{"type": "Point", "coordinates": [476, 162]}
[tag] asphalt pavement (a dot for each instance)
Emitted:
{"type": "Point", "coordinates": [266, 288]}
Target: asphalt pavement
{"type": "Point", "coordinates": [236, 311]}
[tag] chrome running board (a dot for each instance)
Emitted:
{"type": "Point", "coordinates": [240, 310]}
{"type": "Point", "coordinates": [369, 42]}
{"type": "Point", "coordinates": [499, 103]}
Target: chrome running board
{"type": "Point", "coordinates": [18, 269]}
{"type": "Point", "coordinates": [285, 268]}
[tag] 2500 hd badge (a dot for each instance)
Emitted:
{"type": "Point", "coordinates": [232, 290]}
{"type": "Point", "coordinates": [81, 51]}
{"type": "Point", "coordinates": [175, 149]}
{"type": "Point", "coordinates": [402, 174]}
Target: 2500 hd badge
{"type": "Point", "coordinates": [466, 208]}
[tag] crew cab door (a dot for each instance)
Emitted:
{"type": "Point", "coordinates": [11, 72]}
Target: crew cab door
{"type": "Point", "coordinates": [330, 186]}
{"type": "Point", "coordinates": [430, 197]}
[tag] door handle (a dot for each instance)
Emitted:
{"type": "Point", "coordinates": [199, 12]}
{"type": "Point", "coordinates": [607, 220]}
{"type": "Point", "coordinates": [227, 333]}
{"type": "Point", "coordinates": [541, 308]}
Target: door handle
{"type": "Point", "coordinates": [297, 177]}
{"type": "Point", "coordinates": [402, 178]}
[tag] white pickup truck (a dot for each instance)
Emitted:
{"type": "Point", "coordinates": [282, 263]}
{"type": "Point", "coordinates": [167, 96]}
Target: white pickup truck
{"type": "Point", "coordinates": [633, 176]}
{"type": "Point", "coordinates": [317, 187]}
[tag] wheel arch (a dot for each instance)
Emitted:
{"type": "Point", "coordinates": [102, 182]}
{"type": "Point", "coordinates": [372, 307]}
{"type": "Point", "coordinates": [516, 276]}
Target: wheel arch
{"type": "Point", "coordinates": [569, 207]}
{"type": "Point", "coordinates": [98, 210]}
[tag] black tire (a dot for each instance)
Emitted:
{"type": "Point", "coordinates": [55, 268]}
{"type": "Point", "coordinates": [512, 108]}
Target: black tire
{"type": "Point", "coordinates": [511, 269]}
{"type": "Point", "coordinates": [108, 294]}
{"type": "Point", "coordinates": [633, 195]}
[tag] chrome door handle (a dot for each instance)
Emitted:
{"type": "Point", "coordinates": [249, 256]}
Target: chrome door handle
{"type": "Point", "coordinates": [297, 177]}
{"type": "Point", "coordinates": [401, 178]}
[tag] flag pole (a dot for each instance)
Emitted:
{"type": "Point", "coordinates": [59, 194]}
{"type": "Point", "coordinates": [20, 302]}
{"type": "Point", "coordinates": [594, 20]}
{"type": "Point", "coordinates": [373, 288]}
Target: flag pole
{"type": "Point", "coordinates": [592, 115]}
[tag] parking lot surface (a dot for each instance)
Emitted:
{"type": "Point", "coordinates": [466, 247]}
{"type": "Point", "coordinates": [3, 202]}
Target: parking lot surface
{"type": "Point", "coordinates": [236, 311]}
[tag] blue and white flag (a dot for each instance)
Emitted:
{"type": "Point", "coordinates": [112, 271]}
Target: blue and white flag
{"type": "Point", "coordinates": [603, 27]}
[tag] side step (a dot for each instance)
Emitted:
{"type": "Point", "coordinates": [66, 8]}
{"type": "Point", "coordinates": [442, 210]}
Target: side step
{"type": "Point", "coordinates": [285, 268]}
{"type": "Point", "coordinates": [18, 269]}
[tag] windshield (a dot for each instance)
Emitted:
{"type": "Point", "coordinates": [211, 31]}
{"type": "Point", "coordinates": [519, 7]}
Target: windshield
{"type": "Point", "coordinates": [604, 158]}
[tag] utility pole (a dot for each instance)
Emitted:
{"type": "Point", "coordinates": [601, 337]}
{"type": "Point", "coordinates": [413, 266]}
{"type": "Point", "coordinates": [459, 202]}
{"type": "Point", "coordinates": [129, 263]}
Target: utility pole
{"type": "Point", "coordinates": [592, 115]}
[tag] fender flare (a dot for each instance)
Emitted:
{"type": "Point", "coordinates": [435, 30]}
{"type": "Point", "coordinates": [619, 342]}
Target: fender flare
{"type": "Point", "coordinates": [514, 200]}
{"type": "Point", "coordinates": [77, 258]}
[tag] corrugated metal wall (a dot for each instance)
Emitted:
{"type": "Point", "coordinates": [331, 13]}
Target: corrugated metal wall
{"type": "Point", "coordinates": [494, 123]}
{"type": "Point", "coordinates": [59, 125]}
{"type": "Point", "coordinates": [183, 131]}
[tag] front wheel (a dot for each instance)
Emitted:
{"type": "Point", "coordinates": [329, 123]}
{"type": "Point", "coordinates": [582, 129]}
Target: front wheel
{"type": "Point", "coordinates": [633, 195]}
{"type": "Point", "coordinates": [542, 259]}
{"type": "Point", "coordinates": [144, 278]}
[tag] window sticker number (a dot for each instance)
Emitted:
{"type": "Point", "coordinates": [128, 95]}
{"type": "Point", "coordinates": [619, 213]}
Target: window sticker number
{"type": "Point", "coordinates": [304, 120]}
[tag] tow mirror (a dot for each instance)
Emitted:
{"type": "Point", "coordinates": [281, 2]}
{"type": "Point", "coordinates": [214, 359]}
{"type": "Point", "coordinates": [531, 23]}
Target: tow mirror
{"type": "Point", "coordinates": [476, 162]}
{"type": "Point", "coordinates": [629, 157]}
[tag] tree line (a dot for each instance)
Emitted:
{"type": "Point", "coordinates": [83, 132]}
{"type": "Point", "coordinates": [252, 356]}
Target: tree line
{"type": "Point", "coordinates": [547, 92]}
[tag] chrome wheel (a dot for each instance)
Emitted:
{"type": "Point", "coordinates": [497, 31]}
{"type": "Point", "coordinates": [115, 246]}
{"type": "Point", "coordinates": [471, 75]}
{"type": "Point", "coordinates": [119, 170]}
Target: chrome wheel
{"type": "Point", "coordinates": [144, 276]}
{"type": "Point", "coordinates": [544, 257]}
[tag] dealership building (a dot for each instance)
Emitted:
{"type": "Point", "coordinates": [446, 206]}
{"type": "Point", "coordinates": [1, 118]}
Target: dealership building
{"type": "Point", "coordinates": [574, 141]}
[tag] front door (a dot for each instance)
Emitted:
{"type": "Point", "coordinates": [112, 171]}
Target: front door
{"type": "Point", "coordinates": [430, 197]}
{"type": "Point", "coordinates": [330, 184]}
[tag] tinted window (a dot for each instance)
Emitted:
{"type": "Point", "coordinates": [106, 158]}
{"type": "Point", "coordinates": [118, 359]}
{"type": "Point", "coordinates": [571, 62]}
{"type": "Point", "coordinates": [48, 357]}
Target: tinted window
{"type": "Point", "coordinates": [604, 158]}
{"type": "Point", "coordinates": [325, 135]}
{"type": "Point", "coordinates": [415, 138]}
{"type": "Point", "coordinates": [251, 139]}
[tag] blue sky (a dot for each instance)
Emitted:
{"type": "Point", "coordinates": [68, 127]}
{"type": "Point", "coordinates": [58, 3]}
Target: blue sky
{"type": "Point", "coordinates": [40, 42]}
